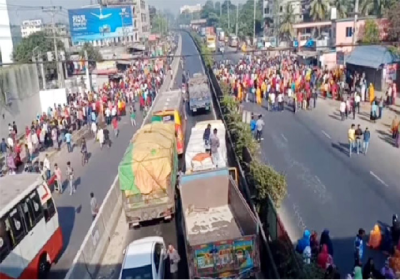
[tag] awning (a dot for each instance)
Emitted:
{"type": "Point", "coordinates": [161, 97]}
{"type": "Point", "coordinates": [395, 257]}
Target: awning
{"type": "Point", "coordinates": [371, 56]}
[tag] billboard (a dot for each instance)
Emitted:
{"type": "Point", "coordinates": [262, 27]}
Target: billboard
{"type": "Point", "coordinates": [90, 24]}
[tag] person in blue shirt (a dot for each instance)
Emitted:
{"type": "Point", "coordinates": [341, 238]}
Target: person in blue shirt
{"type": "Point", "coordinates": [359, 247]}
{"type": "Point", "coordinates": [253, 125]}
{"type": "Point", "coordinates": [3, 146]}
{"type": "Point", "coordinates": [68, 140]}
{"type": "Point", "coordinates": [367, 137]}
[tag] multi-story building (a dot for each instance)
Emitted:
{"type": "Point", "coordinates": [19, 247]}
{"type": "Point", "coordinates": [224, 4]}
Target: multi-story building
{"type": "Point", "coordinates": [31, 26]}
{"type": "Point", "coordinates": [62, 33]}
{"type": "Point", "coordinates": [273, 10]}
{"type": "Point", "coordinates": [10, 35]}
{"type": "Point", "coordinates": [142, 18]}
{"type": "Point", "coordinates": [191, 9]}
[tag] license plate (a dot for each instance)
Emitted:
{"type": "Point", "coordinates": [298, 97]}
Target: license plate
{"type": "Point", "coordinates": [194, 110]}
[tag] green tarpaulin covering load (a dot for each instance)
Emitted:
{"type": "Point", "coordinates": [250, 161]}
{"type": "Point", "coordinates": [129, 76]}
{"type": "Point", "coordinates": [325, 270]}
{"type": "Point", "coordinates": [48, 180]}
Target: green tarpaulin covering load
{"type": "Point", "coordinates": [150, 162]}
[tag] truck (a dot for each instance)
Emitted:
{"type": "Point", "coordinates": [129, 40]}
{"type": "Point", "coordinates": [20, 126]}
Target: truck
{"type": "Point", "coordinates": [147, 174]}
{"type": "Point", "coordinates": [197, 157]}
{"type": "Point", "coordinates": [199, 94]}
{"type": "Point", "coordinates": [219, 228]}
{"type": "Point", "coordinates": [211, 42]}
{"type": "Point", "coordinates": [221, 36]}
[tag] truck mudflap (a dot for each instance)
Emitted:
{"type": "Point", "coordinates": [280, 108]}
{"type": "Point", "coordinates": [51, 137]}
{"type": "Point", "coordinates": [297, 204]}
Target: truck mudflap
{"type": "Point", "coordinates": [135, 216]}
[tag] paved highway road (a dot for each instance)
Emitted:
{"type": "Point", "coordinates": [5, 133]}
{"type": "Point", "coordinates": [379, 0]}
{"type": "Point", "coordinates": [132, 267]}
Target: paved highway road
{"type": "Point", "coordinates": [170, 231]}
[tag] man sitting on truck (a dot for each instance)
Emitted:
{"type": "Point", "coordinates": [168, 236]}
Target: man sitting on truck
{"type": "Point", "coordinates": [214, 145]}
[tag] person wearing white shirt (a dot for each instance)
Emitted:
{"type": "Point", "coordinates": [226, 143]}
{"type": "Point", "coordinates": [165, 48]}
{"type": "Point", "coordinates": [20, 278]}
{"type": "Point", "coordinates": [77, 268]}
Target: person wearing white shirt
{"type": "Point", "coordinates": [272, 101]}
{"type": "Point", "coordinates": [108, 116]}
{"type": "Point", "coordinates": [114, 111]}
{"type": "Point", "coordinates": [342, 109]}
{"type": "Point", "coordinates": [94, 129]}
{"type": "Point", "coordinates": [357, 100]}
{"type": "Point", "coordinates": [47, 167]}
{"type": "Point", "coordinates": [280, 102]}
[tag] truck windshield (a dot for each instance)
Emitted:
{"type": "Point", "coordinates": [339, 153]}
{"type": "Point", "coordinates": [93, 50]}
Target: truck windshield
{"type": "Point", "coordinates": [143, 272]}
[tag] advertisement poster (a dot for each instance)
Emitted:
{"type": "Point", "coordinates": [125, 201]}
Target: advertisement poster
{"type": "Point", "coordinates": [90, 24]}
{"type": "Point", "coordinates": [391, 72]}
{"type": "Point", "coordinates": [244, 249]}
{"type": "Point", "coordinates": [224, 256]}
{"type": "Point", "coordinates": [205, 258]}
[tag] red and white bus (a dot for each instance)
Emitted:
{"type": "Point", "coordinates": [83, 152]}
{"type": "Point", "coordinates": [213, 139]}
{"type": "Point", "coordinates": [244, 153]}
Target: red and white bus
{"type": "Point", "coordinates": [30, 234]}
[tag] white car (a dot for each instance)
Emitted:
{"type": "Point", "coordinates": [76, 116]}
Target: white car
{"type": "Point", "coordinates": [144, 259]}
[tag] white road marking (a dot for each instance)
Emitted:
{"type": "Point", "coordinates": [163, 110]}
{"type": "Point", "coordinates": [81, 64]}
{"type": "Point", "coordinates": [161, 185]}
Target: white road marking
{"type": "Point", "coordinates": [326, 134]}
{"type": "Point", "coordinates": [379, 179]}
{"type": "Point", "coordinates": [284, 138]}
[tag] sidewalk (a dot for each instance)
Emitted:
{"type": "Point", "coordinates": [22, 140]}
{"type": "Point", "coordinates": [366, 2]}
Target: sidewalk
{"type": "Point", "coordinates": [110, 265]}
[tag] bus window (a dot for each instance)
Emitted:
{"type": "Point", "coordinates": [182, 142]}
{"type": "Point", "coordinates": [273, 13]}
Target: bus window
{"type": "Point", "coordinates": [49, 209]}
{"type": "Point", "coordinates": [28, 215]}
{"type": "Point", "coordinates": [36, 206]}
{"type": "Point", "coordinates": [5, 241]}
{"type": "Point", "coordinates": [16, 225]}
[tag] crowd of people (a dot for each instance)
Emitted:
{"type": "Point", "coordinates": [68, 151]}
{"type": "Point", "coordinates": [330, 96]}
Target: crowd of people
{"type": "Point", "coordinates": [93, 111]}
{"type": "Point", "coordinates": [273, 81]}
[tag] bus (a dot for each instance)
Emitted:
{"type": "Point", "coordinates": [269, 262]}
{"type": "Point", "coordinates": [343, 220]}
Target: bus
{"type": "Point", "coordinates": [233, 41]}
{"type": "Point", "coordinates": [211, 42]}
{"type": "Point", "coordinates": [170, 108]}
{"type": "Point", "coordinates": [30, 234]}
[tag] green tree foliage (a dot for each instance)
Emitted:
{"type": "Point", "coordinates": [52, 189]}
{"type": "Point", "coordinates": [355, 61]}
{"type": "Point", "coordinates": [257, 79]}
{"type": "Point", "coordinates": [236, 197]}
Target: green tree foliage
{"type": "Point", "coordinates": [206, 53]}
{"type": "Point", "coordinates": [159, 25]}
{"type": "Point", "coordinates": [371, 32]}
{"type": "Point", "coordinates": [93, 54]}
{"type": "Point", "coordinates": [24, 51]}
{"type": "Point", "coordinates": [319, 9]}
{"type": "Point", "coordinates": [342, 7]}
{"type": "Point", "coordinates": [287, 20]}
{"type": "Point", "coordinates": [393, 15]}
{"type": "Point", "coordinates": [376, 7]}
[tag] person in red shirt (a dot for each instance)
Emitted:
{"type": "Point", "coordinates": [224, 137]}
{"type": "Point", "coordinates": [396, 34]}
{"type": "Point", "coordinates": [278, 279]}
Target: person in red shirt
{"type": "Point", "coordinates": [115, 126]}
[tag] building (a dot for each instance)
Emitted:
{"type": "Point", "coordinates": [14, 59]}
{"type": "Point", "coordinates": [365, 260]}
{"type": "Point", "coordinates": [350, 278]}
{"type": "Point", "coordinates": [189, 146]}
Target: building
{"type": "Point", "coordinates": [273, 8]}
{"type": "Point", "coordinates": [10, 35]}
{"type": "Point", "coordinates": [31, 26]}
{"type": "Point", "coordinates": [142, 19]}
{"type": "Point", "coordinates": [62, 33]}
{"type": "Point", "coordinates": [191, 9]}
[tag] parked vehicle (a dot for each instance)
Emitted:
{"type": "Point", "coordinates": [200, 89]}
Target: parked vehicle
{"type": "Point", "coordinates": [148, 186]}
{"type": "Point", "coordinates": [145, 259]}
{"type": "Point", "coordinates": [199, 94]}
{"type": "Point", "coordinates": [220, 230]}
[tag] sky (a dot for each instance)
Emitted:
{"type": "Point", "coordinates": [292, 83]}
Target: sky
{"type": "Point", "coordinates": [18, 13]}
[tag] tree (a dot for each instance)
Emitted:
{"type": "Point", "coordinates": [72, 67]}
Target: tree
{"type": "Point", "coordinates": [93, 54]}
{"type": "Point", "coordinates": [39, 41]}
{"type": "Point", "coordinates": [319, 9]}
{"type": "Point", "coordinates": [371, 32]}
{"type": "Point", "coordinates": [341, 6]}
{"type": "Point", "coordinates": [376, 7]}
{"type": "Point", "coordinates": [159, 24]}
{"type": "Point", "coordinates": [287, 21]}
{"type": "Point", "coordinates": [393, 16]}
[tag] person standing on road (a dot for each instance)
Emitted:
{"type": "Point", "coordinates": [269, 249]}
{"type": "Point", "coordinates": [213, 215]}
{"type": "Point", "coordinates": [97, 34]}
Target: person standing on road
{"type": "Point", "coordinates": [94, 129]}
{"type": "Point", "coordinates": [381, 103]}
{"type": "Point", "coordinates": [214, 146]}
{"type": "Point", "coordinates": [58, 173]}
{"type": "Point", "coordinates": [253, 126]}
{"type": "Point", "coordinates": [359, 247]}
{"type": "Point", "coordinates": [68, 140]}
{"type": "Point", "coordinates": [70, 174]}
{"type": "Point", "coordinates": [342, 109]}
{"type": "Point", "coordinates": [358, 134]}
{"type": "Point", "coordinates": [94, 208]}
{"type": "Point", "coordinates": [115, 126]}
{"type": "Point", "coordinates": [367, 137]}
{"type": "Point", "coordinates": [259, 126]}
{"type": "Point", "coordinates": [352, 138]}
{"type": "Point", "coordinates": [395, 127]}
{"type": "Point", "coordinates": [174, 259]}
{"type": "Point", "coordinates": [100, 137]}
{"type": "Point", "coordinates": [47, 166]}
{"type": "Point", "coordinates": [357, 100]}
{"type": "Point", "coordinates": [133, 115]}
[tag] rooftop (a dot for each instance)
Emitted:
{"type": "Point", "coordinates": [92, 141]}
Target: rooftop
{"type": "Point", "coordinates": [170, 100]}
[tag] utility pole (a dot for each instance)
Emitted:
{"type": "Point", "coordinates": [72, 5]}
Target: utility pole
{"type": "Point", "coordinates": [237, 18]}
{"type": "Point", "coordinates": [355, 22]}
{"type": "Point", "coordinates": [229, 23]}
{"type": "Point", "coordinates": [88, 78]}
{"type": "Point", "coordinates": [60, 73]}
{"type": "Point", "coordinates": [220, 8]}
{"type": "Point", "coordinates": [254, 22]}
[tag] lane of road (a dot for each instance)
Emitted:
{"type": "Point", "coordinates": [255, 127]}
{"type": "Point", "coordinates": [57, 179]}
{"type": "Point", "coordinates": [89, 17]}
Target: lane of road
{"type": "Point", "coordinates": [326, 188]}
{"type": "Point", "coordinates": [171, 231]}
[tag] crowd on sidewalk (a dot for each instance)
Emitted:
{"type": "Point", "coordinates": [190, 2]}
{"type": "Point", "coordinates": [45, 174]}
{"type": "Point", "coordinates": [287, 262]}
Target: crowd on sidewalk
{"type": "Point", "coordinates": [85, 110]}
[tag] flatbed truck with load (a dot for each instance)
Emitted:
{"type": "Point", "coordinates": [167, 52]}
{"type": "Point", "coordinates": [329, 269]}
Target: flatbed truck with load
{"type": "Point", "coordinates": [147, 174]}
{"type": "Point", "coordinates": [219, 228]}
{"type": "Point", "coordinates": [199, 94]}
{"type": "Point", "coordinates": [197, 155]}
